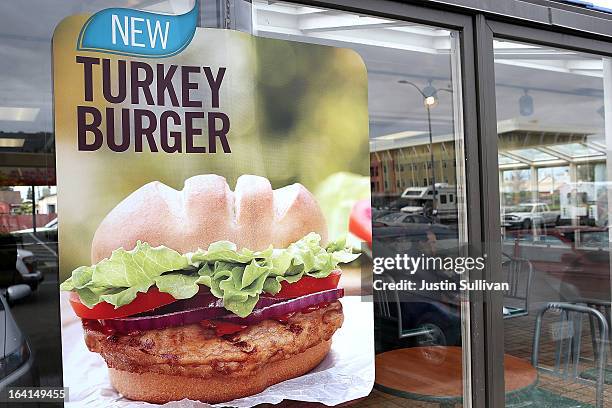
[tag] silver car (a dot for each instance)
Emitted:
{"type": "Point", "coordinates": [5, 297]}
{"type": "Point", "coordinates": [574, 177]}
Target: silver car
{"type": "Point", "coordinates": [27, 266]}
{"type": "Point", "coordinates": [17, 366]}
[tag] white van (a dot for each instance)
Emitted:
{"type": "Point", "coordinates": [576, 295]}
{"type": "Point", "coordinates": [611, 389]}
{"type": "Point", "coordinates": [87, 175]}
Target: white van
{"type": "Point", "coordinates": [421, 201]}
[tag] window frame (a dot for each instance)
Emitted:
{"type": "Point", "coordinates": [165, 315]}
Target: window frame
{"type": "Point", "coordinates": [492, 29]}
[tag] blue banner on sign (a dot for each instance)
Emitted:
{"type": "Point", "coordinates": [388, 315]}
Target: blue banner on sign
{"type": "Point", "coordinates": [138, 33]}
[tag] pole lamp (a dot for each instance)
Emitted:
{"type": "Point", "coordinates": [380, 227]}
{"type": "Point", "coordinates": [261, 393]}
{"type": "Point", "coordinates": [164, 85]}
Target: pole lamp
{"type": "Point", "coordinates": [430, 100]}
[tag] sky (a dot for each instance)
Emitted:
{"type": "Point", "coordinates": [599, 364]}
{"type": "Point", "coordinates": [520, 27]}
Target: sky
{"type": "Point", "coordinates": [23, 190]}
{"type": "Point", "coordinates": [603, 3]}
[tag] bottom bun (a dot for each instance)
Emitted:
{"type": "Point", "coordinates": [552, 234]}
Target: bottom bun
{"type": "Point", "coordinates": [162, 388]}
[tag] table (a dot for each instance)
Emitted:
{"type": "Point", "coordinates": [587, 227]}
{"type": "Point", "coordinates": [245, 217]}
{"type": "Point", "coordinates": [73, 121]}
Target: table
{"type": "Point", "coordinates": [303, 404]}
{"type": "Point", "coordinates": [434, 374]}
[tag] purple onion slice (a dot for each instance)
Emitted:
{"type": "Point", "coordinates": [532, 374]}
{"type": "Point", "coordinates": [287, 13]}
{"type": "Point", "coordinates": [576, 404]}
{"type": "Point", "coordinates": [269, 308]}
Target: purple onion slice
{"type": "Point", "coordinates": [285, 307]}
{"type": "Point", "coordinates": [212, 309]}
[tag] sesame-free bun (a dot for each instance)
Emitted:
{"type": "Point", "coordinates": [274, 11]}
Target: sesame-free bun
{"type": "Point", "coordinates": [206, 210]}
{"type": "Point", "coordinates": [161, 388]}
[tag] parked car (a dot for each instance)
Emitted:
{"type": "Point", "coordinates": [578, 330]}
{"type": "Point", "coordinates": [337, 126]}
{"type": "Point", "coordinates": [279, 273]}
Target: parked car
{"type": "Point", "coordinates": [411, 234]}
{"type": "Point", "coordinates": [525, 215]}
{"type": "Point", "coordinates": [17, 368]}
{"type": "Point", "coordinates": [399, 203]}
{"type": "Point", "coordinates": [17, 265]}
{"type": "Point", "coordinates": [441, 317]}
{"type": "Point", "coordinates": [48, 232]}
{"type": "Point", "coordinates": [400, 219]}
{"type": "Point", "coordinates": [27, 266]}
{"type": "Point", "coordinates": [435, 316]}
{"type": "Point", "coordinates": [587, 236]}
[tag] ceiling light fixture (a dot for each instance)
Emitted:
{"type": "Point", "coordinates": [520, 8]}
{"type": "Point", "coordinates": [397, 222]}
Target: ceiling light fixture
{"type": "Point", "coordinates": [11, 142]}
{"type": "Point", "coordinates": [18, 114]}
{"type": "Point", "coordinates": [526, 104]}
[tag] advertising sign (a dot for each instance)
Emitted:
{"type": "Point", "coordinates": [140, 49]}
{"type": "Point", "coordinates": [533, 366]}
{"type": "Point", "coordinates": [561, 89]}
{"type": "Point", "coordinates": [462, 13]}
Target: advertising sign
{"type": "Point", "coordinates": [195, 253]}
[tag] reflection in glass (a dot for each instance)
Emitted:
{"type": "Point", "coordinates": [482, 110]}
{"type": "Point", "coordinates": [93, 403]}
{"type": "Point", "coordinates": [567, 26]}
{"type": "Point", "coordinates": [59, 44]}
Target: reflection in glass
{"type": "Point", "coordinates": [28, 206]}
{"type": "Point", "coordinates": [416, 182]}
{"type": "Point", "coordinates": [554, 193]}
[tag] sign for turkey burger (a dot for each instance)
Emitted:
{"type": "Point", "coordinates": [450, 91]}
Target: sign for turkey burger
{"type": "Point", "coordinates": [194, 254]}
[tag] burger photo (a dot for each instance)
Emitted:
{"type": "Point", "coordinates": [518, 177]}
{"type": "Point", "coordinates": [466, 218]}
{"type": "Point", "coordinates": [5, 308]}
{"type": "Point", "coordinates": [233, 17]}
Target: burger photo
{"type": "Point", "coordinates": [210, 294]}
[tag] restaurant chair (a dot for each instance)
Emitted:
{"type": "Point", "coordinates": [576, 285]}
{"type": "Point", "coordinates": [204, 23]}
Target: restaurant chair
{"type": "Point", "coordinates": [567, 336]}
{"type": "Point", "coordinates": [603, 307]}
{"type": "Point", "coordinates": [518, 273]}
{"type": "Point", "coordinates": [387, 308]}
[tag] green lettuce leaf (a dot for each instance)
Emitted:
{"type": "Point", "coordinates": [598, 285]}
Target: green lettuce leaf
{"type": "Point", "coordinates": [122, 296]}
{"type": "Point", "coordinates": [67, 285]}
{"type": "Point", "coordinates": [241, 284]}
{"type": "Point", "coordinates": [118, 279]}
{"type": "Point", "coordinates": [179, 285]}
{"type": "Point", "coordinates": [239, 277]}
{"type": "Point", "coordinates": [136, 267]}
{"type": "Point", "coordinates": [226, 251]}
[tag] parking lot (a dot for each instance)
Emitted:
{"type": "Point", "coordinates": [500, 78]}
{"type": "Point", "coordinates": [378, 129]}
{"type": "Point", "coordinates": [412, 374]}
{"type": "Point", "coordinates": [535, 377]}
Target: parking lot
{"type": "Point", "coordinates": [38, 316]}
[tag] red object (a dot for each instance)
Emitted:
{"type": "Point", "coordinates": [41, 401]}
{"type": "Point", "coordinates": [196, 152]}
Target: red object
{"type": "Point", "coordinates": [222, 328]}
{"type": "Point", "coordinates": [210, 317]}
{"type": "Point", "coordinates": [154, 299]}
{"type": "Point", "coordinates": [144, 302]}
{"type": "Point", "coordinates": [360, 221]}
{"type": "Point", "coordinates": [308, 285]}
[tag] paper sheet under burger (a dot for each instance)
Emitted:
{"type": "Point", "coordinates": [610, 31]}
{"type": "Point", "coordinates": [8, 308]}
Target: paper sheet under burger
{"type": "Point", "coordinates": [346, 373]}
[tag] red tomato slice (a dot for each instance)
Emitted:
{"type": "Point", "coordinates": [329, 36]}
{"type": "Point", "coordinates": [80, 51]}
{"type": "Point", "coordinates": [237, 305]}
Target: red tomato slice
{"type": "Point", "coordinates": [144, 302]}
{"type": "Point", "coordinates": [308, 285]}
{"type": "Point", "coordinates": [360, 221]}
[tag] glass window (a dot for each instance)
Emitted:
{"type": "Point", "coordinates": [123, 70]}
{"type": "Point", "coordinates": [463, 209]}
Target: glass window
{"type": "Point", "coordinates": [516, 187]}
{"type": "Point", "coordinates": [576, 150]}
{"type": "Point", "coordinates": [554, 117]}
{"type": "Point", "coordinates": [550, 182]}
{"type": "Point", "coordinates": [415, 117]}
{"type": "Point", "coordinates": [28, 207]}
{"type": "Point", "coordinates": [532, 155]}
{"type": "Point", "coordinates": [503, 159]}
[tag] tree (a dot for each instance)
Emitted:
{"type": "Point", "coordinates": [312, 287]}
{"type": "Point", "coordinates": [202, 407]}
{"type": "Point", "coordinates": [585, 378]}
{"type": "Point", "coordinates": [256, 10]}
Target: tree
{"type": "Point", "coordinates": [25, 208]}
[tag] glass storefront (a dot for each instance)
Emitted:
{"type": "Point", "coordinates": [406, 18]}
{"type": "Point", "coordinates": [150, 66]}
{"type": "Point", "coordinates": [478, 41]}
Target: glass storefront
{"type": "Point", "coordinates": [416, 178]}
{"type": "Point", "coordinates": [554, 136]}
{"type": "Point", "coordinates": [28, 209]}
{"type": "Point", "coordinates": [543, 342]}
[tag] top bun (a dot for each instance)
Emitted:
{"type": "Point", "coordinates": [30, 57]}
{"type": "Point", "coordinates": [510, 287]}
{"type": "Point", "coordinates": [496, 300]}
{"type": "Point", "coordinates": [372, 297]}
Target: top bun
{"type": "Point", "coordinates": [206, 210]}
